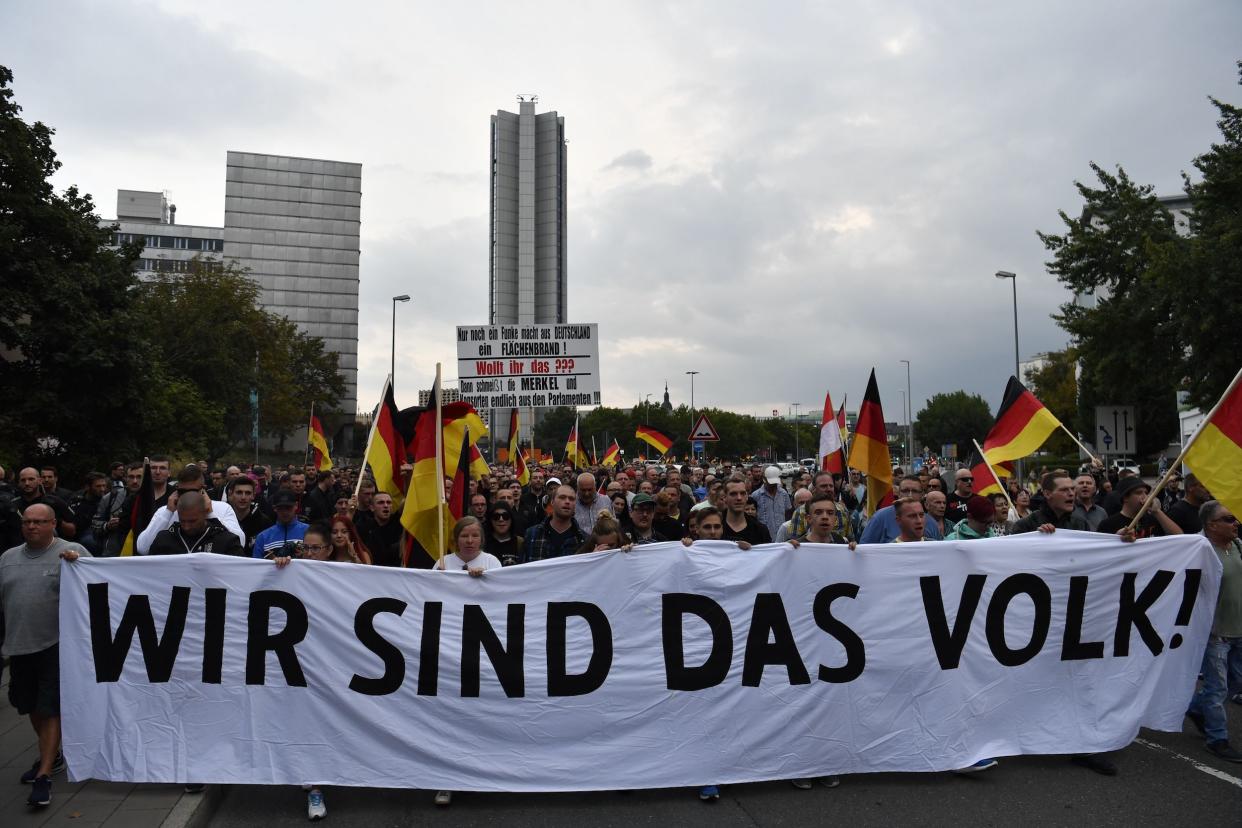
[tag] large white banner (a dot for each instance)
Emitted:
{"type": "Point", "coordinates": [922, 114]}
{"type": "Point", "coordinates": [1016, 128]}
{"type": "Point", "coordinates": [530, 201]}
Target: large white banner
{"type": "Point", "coordinates": [659, 667]}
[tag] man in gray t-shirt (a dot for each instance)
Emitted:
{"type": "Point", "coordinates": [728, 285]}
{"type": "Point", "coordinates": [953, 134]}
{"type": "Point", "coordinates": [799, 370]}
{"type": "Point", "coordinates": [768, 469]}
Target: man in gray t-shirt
{"type": "Point", "coordinates": [30, 623]}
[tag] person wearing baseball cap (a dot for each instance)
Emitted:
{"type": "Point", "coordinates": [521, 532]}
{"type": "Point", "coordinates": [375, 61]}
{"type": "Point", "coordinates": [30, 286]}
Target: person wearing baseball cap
{"type": "Point", "coordinates": [287, 529]}
{"type": "Point", "coordinates": [642, 514]}
{"type": "Point", "coordinates": [774, 503]}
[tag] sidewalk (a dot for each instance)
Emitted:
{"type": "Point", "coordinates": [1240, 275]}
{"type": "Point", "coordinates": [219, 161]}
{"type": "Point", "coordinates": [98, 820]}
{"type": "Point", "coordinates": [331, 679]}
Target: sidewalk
{"type": "Point", "coordinates": [88, 804]}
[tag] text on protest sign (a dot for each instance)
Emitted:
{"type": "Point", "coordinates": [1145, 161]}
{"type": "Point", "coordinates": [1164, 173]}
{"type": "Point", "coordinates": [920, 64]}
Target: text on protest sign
{"type": "Point", "coordinates": [659, 667]}
{"type": "Point", "coordinates": [528, 366]}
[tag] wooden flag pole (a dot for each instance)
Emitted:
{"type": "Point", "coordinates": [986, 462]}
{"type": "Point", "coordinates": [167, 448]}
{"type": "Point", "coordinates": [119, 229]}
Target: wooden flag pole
{"type": "Point", "coordinates": [1176, 464]}
{"type": "Point", "coordinates": [310, 425]}
{"type": "Point", "coordinates": [1085, 450]}
{"type": "Point", "coordinates": [594, 455]}
{"type": "Point", "coordinates": [1004, 489]}
{"type": "Point", "coordinates": [439, 467]}
{"type": "Point", "coordinates": [362, 472]}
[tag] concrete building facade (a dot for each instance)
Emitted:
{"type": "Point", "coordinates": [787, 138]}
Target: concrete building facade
{"type": "Point", "coordinates": [294, 223]}
{"type": "Point", "coordinates": [527, 264]}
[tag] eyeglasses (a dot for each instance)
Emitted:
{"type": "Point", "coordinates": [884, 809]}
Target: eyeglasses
{"type": "Point", "coordinates": [1230, 519]}
{"type": "Point", "coordinates": [502, 517]}
{"type": "Point", "coordinates": [965, 480]}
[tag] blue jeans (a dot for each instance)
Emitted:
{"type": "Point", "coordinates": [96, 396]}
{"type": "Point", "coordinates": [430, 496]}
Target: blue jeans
{"type": "Point", "coordinates": [1222, 675]}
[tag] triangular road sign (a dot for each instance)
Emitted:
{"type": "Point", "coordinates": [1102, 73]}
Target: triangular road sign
{"type": "Point", "coordinates": [704, 430]}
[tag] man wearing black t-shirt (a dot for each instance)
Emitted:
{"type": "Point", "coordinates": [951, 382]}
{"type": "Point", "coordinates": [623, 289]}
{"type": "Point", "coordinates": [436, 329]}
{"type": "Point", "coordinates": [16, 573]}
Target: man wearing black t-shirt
{"type": "Point", "coordinates": [1154, 523]}
{"type": "Point", "coordinates": [963, 488]}
{"type": "Point", "coordinates": [1185, 512]}
{"type": "Point", "coordinates": [739, 526]}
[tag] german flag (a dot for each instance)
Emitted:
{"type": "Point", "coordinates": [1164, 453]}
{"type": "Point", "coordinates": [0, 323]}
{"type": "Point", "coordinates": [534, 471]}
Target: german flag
{"type": "Point", "coordinates": [425, 512]}
{"type": "Point", "coordinates": [657, 440]}
{"type": "Point", "coordinates": [573, 454]}
{"type": "Point", "coordinates": [1022, 425]}
{"type": "Point", "coordinates": [869, 452]}
{"type": "Point", "coordinates": [520, 470]}
{"type": "Point", "coordinates": [140, 511]}
{"type": "Point", "coordinates": [319, 444]}
{"type": "Point", "coordinates": [613, 455]}
{"type": "Point", "coordinates": [986, 483]}
{"type": "Point", "coordinates": [1215, 452]}
{"type": "Point", "coordinates": [386, 447]}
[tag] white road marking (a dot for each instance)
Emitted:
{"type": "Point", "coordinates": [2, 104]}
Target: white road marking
{"type": "Point", "coordinates": [1208, 769]}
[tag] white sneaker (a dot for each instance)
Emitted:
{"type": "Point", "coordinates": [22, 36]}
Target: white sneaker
{"type": "Point", "coordinates": [315, 809]}
{"type": "Point", "coordinates": [444, 798]}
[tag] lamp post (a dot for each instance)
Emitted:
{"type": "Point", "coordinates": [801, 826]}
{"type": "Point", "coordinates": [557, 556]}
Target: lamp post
{"type": "Point", "coordinates": [797, 444]}
{"type": "Point", "coordinates": [692, 373]}
{"type": "Point", "coordinates": [903, 411]}
{"type": "Point", "coordinates": [393, 367]}
{"type": "Point", "coordinates": [909, 412]}
{"type": "Point", "coordinates": [1005, 274]}
{"type": "Point", "coordinates": [647, 409]}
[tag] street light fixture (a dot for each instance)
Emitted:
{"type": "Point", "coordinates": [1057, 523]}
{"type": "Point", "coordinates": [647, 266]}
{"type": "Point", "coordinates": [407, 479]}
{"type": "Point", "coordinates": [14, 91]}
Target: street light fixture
{"type": "Point", "coordinates": [692, 374]}
{"type": "Point", "coordinates": [647, 409]}
{"type": "Point", "coordinates": [909, 412]}
{"type": "Point", "coordinates": [1005, 274]}
{"type": "Point", "coordinates": [797, 420]}
{"type": "Point", "coordinates": [393, 367]}
{"type": "Point", "coordinates": [903, 409]}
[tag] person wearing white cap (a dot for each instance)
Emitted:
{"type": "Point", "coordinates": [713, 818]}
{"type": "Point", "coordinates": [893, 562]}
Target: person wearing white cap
{"type": "Point", "coordinates": [774, 502]}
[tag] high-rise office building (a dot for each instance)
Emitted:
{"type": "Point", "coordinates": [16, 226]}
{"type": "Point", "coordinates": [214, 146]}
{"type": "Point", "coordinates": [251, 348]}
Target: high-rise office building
{"type": "Point", "coordinates": [527, 256]}
{"type": "Point", "coordinates": [294, 223]}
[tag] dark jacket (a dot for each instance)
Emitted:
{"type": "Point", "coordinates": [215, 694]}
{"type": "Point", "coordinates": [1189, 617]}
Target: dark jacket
{"type": "Point", "coordinates": [214, 538]}
{"type": "Point", "coordinates": [542, 541]}
{"type": "Point", "coordinates": [1043, 515]}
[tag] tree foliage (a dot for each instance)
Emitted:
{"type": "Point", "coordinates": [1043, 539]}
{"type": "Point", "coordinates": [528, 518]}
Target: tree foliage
{"type": "Point", "coordinates": [955, 417]}
{"type": "Point", "coordinates": [741, 435]}
{"type": "Point", "coordinates": [1056, 386]}
{"type": "Point", "coordinates": [1155, 311]}
{"type": "Point", "coordinates": [96, 365]}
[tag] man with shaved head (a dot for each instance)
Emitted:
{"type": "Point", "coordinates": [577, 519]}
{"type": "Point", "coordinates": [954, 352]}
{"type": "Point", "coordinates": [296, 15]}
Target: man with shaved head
{"type": "Point", "coordinates": [30, 611]}
{"type": "Point", "coordinates": [194, 531]}
{"type": "Point", "coordinates": [590, 502]}
{"type": "Point", "coordinates": [30, 491]}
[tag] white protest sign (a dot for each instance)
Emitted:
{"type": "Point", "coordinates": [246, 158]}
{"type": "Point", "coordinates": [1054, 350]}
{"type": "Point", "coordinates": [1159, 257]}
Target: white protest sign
{"type": "Point", "coordinates": [658, 667]}
{"type": "Point", "coordinates": [528, 366]}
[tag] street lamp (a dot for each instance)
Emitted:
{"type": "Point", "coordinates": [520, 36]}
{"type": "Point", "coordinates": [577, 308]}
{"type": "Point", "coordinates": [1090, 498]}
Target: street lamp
{"type": "Point", "coordinates": [393, 368]}
{"type": "Point", "coordinates": [692, 373]}
{"type": "Point", "coordinates": [1005, 274]}
{"type": "Point", "coordinates": [909, 412]}
{"type": "Point", "coordinates": [797, 419]}
{"type": "Point", "coordinates": [647, 409]}
{"type": "Point", "coordinates": [903, 410]}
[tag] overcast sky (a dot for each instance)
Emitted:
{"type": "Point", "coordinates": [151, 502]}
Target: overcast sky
{"type": "Point", "coordinates": [779, 196]}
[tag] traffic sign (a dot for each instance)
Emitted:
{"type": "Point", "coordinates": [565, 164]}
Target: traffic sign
{"type": "Point", "coordinates": [1115, 429]}
{"type": "Point", "coordinates": [696, 446]}
{"type": "Point", "coordinates": [704, 430]}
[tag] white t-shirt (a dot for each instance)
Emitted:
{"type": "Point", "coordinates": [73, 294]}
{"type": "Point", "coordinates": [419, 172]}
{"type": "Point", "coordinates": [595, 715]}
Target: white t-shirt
{"type": "Point", "coordinates": [484, 561]}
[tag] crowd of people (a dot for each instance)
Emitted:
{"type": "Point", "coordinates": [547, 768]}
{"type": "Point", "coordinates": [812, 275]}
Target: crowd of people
{"type": "Point", "coordinates": [302, 512]}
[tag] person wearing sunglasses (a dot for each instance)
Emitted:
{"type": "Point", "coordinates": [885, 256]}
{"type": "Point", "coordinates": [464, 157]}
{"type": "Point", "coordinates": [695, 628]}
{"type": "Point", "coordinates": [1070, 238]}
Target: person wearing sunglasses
{"type": "Point", "coordinates": [501, 540]}
{"type": "Point", "coordinates": [956, 500]}
{"type": "Point", "coordinates": [1222, 659]}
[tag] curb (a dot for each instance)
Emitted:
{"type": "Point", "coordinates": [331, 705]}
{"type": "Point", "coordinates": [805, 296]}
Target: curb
{"type": "Point", "coordinates": [195, 810]}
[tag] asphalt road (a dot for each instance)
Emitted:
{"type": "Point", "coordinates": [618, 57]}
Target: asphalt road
{"type": "Point", "coordinates": [1166, 779]}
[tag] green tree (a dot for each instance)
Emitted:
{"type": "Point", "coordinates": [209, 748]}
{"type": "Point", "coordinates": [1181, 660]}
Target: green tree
{"type": "Point", "coordinates": [1204, 273]}
{"type": "Point", "coordinates": [1056, 386]}
{"type": "Point", "coordinates": [73, 362]}
{"type": "Point", "coordinates": [218, 340]}
{"type": "Point", "coordinates": [955, 417]}
{"type": "Point", "coordinates": [1126, 339]}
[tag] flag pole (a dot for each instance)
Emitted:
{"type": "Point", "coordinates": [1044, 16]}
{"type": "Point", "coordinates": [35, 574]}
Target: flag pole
{"type": "Point", "coordinates": [1085, 450]}
{"type": "Point", "coordinates": [370, 436]}
{"type": "Point", "coordinates": [309, 428]}
{"type": "Point", "coordinates": [1003, 488]}
{"type": "Point", "coordinates": [1176, 464]}
{"type": "Point", "coordinates": [594, 455]}
{"type": "Point", "coordinates": [439, 467]}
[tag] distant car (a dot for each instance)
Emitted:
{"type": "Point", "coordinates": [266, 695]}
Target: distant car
{"type": "Point", "coordinates": [790, 469]}
{"type": "Point", "coordinates": [1124, 464]}
{"type": "Point", "coordinates": [810, 464]}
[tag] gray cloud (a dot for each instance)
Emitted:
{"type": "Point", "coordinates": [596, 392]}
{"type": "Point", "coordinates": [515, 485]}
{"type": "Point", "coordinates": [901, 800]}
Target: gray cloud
{"type": "Point", "coordinates": [635, 159]}
{"type": "Point", "coordinates": [836, 187]}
